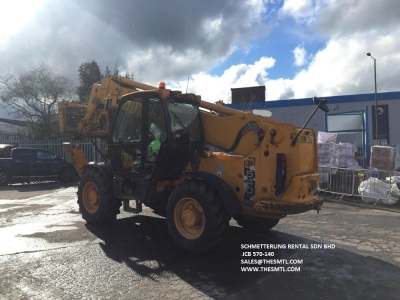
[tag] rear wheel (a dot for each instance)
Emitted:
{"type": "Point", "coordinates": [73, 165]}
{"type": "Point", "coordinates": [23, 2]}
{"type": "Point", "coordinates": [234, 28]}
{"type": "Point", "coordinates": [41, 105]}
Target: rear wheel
{"type": "Point", "coordinates": [256, 224]}
{"type": "Point", "coordinates": [196, 217]}
{"type": "Point", "coordinates": [95, 198]}
{"type": "Point", "coordinates": [4, 177]}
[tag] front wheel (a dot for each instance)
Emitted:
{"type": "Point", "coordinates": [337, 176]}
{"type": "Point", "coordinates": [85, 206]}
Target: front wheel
{"type": "Point", "coordinates": [95, 198]}
{"type": "Point", "coordinates": [196, 217]}
{"type": "Point", "coordinates": [4, 177]}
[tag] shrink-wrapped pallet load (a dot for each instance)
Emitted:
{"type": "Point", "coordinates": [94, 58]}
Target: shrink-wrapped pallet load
{"type": "Point", "coordinates": [382, 157]}
{"type": "Point", "coordinates": [345, 153]}
{"type": "Point", "coordinates": [332, 155]}
{"type": "Point", "coordinates": [326, 160]}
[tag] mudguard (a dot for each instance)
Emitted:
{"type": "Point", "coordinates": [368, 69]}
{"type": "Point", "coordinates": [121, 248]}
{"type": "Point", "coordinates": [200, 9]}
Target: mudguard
{"type": "Point", "coordinates": [230, 200]}
{"type": "Point", "coordinates": [108, 173]}
{"type": "Point", "coordinates": [105, 169]}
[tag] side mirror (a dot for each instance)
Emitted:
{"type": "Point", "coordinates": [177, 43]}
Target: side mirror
{"type": "Point", "coordinates": [321, 103]}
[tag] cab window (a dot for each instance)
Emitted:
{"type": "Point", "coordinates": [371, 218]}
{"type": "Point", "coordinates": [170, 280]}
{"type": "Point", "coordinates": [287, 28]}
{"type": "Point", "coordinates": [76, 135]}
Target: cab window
{"type": "Point", "coordinates": [128, 127]}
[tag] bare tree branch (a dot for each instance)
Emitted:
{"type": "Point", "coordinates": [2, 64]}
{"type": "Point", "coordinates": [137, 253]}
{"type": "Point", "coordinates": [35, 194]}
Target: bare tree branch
{"type": "Point", "coordinates": [33, 96]}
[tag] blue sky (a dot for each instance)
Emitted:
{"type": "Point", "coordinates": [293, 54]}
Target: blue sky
{"type": "Point", "coordinates": [279, 44]}
{"type": "Point", "coordinates": [296, 48]}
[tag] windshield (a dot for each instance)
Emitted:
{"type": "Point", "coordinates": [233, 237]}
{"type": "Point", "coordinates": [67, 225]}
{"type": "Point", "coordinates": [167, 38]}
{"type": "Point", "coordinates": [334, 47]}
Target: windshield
{"type": "Point", "coordinates": [185, 119]}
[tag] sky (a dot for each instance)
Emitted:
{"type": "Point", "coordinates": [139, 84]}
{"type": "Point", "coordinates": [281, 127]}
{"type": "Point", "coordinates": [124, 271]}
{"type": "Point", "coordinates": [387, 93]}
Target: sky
{"type": "Point", "coordinates": [296, 48]}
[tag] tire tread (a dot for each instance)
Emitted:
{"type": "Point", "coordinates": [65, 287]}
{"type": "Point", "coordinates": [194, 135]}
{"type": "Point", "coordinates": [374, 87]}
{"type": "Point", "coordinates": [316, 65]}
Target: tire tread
{"type": "Point", "coordinates": [109, 207]}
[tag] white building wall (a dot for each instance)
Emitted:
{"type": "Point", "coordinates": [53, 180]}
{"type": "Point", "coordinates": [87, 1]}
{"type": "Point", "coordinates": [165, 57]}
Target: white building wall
{"type": "Point", "coordinates": [297, 115]}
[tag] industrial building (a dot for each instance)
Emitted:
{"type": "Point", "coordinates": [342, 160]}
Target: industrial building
{"type": "Point", "coordinates": [352, 117]}
{"type": "Point", "coordinates": [297, 111]}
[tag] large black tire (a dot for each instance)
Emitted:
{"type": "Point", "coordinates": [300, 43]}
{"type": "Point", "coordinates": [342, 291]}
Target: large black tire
{"type": "Point", "coordinates": [96, 200]}
{"type": "Point", "coordinates": [196, 217]}
{"type": "Point", "coordinates": [4, 177]}
{"type": "Point", "coordinates": [67, 174]}
{"type": "Point", "coordinates": [256, 224]}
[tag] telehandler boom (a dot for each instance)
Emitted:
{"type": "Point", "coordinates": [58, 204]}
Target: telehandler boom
{"type": "Point", "coordinates": [157, 155]}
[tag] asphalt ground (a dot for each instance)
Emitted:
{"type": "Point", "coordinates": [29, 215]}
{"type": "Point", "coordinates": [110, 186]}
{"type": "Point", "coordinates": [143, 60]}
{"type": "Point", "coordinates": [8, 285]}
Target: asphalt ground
{"type": "Point", "coordinates": [48, 252]}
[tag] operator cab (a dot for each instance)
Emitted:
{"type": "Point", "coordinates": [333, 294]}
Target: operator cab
{"type": "Point", "coordinates": [154, 139]}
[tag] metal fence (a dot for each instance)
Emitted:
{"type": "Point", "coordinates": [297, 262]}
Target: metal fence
{"type": "Point", "coordinates": [56, 146]}
{"type": "Point", "coordinates": [373, 186]}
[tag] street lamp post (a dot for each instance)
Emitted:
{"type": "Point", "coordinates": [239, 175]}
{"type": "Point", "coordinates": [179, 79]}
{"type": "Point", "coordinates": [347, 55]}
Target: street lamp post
{"type": "Point", "coordinates": [376, 102]}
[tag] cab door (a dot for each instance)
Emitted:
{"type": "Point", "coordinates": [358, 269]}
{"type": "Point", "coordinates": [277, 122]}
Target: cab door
{"type": "Point", "coordinates": [127, 145]}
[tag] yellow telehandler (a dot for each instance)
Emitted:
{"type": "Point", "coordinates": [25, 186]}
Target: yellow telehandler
{"type": "Point", "coordinates": [157, 155]}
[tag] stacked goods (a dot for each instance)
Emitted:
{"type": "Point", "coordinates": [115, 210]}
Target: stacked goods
{"type": "Point", "coordinates": [382, 158]}
{"type": "Point", "coordinates": [331, 155]}
{"type": "Point", "coordinates": [345, 154]}
{"type": "Point", "coordinates": [326, 160]}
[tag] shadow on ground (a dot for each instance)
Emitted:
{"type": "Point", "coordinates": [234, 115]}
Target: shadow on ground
{"type": "Point", "coordinates": [144, 245]}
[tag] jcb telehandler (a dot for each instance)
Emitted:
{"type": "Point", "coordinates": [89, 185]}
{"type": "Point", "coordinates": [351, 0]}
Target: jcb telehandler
{"type": "Point", "coordinates": [157, 155]}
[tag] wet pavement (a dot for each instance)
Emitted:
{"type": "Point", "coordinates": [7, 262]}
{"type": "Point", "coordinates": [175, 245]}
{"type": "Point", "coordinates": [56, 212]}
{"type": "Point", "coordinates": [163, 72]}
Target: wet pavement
{"type": "Point", "coordinates": [48, 252]}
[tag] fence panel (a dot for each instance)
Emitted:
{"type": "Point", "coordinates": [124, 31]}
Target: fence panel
{"type": "Point", "coordinates": [337, 181]}
{"type": "Point", "coordinates": [373, 186]}
{"type": "Point", "coordinates": [8, 138]}
{"type": "Point", "coordinates": [56, 146]}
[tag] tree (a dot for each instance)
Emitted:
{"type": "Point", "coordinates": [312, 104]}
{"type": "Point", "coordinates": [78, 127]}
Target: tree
{"type": "Point", "coordinates": [107, 72]}
{"type": "Point", "coordinates": [33, 96]}
{"type": "Point", "coordinates": [89, 73]}
{"type": "Point", "coordinates": [116, 70]}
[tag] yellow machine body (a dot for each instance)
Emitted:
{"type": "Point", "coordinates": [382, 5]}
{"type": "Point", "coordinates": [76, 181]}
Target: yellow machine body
{"type": "Point", "coordinates": [250, 172]}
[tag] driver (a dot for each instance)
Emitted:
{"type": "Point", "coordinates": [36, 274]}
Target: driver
{"type": "Point", "coordinates": [154, 147]}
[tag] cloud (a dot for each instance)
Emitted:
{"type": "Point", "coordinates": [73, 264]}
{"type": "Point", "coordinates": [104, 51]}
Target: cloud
{"type": "Point", "coordinates": [353, 28]}
{"type": "Point", "coordinates": [299, 56]}
{"type": "Point", "coordinates": [152, 40]}
{"type": "Point", "coordinates": [171, 40]}
{"type": "Point", "coordinates": [214, 88]}
{"type": "Point", "coordinates": [340, 67]}
{"type": "Point", "coordinates": [303, 11]}
{"type": "Point", "coordinates": [345, 17]}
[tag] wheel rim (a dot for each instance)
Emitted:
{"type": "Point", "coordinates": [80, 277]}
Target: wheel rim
{"type": "Point", "coordinates": [91, 197]}
{"type": "Point", "coordinates": [189, 218]}
{"type": "Point", "coordinates": [67, 175]}
{"type": "Point", "coordinates": [3, 177]}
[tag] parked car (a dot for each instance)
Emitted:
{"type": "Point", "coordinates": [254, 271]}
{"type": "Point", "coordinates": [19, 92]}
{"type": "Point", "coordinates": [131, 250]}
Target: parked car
{"type": "Point", "coordinates": [5, 150]}
{"type": "Point", "coordinates": [29, 163]}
